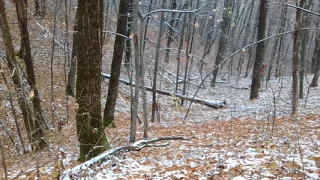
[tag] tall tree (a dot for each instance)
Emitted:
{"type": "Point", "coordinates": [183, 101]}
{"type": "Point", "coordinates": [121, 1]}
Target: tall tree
{"type": "Point", "coordinates": [73, 65]}
{"type": "Point", "coordinates": [171, 29]}
{"type": "Point", "coordinates": [306, 19]}
{"type": "Point", "coordinates": [316, 60]}
{"type": "Point", "coordinates": [137, 57]}
{"type": "Point", "coordinates": [90, 128]}
{"type": "Point", "coordinates": [260, 51]}
{"type": "Point", "coordinates": [21, 7]}
{"type": "Point", "coordinates": [295, 60]}
{"type": "Point", "coordinates": [34, 131]}
{"type": "Point", "coordinates": [156, 64]}
{"type": "Point", "coordinates": [119, 44]}
{"type": "Point", "coordinates": [227, 14]}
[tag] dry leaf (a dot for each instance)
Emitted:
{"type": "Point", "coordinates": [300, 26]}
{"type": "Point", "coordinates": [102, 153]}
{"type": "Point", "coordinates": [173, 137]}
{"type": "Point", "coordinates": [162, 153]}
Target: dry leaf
{"type": "Point", "coordinates": [292, 164]}
{"type": "Point", "coordinates": [2, 111]}
{"type": "Point", "coordinates": [31, 94]}
{"type": "Point", "coordinates": [273, 166]}
{"type": "Point", "coordinates": [155, 17]}
{"type": "Point", "coordinates": [131, 35]}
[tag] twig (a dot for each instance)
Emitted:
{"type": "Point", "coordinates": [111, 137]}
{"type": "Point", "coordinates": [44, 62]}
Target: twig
{"type": "Point", "coordinates": [300, 8]}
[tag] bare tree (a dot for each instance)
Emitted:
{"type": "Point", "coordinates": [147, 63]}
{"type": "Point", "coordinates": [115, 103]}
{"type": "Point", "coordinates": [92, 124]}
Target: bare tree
{"type": "Point", "coordinates": [21, 7]}
{"type": "Point", "coordinates": [306, 19]}
{"type": "Point", "coordinates": [90, 128]}
{"type": "Point", "coordinates": [73, 65]}
{"type": "Point", "coordinates": [260, 51]}
{"type": "Point", "coordinates": [156, 65]}
{"type": "Point", "coordinates": [227, 14]}
{"type": "Point", "coordinates": [171, 29]}
{"type": "Point", "coordinates": [295, 60]}
{"type": "Point", "coordinates": [316, 59]}
{"type": "Point", "coordinates": [119, 45]}
{"type": "Point", "coordinates": [137, 55]}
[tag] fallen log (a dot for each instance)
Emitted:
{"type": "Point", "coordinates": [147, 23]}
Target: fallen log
{"type": "Point", "coordinates": [74, 172]}
{"type": "Point", "coordinates": [212, 104]}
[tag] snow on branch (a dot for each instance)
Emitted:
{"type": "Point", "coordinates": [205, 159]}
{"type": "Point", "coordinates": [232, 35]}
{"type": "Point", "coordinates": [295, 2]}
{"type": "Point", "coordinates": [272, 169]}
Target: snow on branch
{"type": "Point", "coordinates": [143, 16]}
{"type": "Point", "coordinates": [137, 146]}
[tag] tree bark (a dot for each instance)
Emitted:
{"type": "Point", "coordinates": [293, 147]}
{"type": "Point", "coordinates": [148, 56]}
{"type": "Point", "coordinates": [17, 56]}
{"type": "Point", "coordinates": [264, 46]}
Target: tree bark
{"type": "Point", "coordinates": [119, 44]}
{"type": "Point", "coordinates": [227, 14]}
{"type": "Point", "coordinates": [260, 51]}
{"type": "Point", "coordinates": [21, 7]}
{"type": "Point", "coordinates": [171, 30]}
{"type": "Point", "coordinates": [73, 66]}
{"type": "Point", "coordinates": [34, 131]}
{"type": "Point", "coordinates": [90, 128]}
{"type": "Point", "coordinates": [316, 59]}
{"type": "Point", "coordinates": [295, 60]}
{"type": "Point", "coordinates": [303, 49]}
{"type": "Point", "coordinates": [137, 46]}
{"type": "Point", "coordinates": [156, 65]}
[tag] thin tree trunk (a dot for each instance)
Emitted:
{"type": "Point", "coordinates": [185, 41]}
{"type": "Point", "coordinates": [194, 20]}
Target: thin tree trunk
{"type": "Point", "coordinates": [181, 40]}
{"type": "Point", "coordinates": [260, 52]}
{"type": "Point", "coordinates": [171, 30]}
{"type": "Point", "coordinates": [21, 7]}
{"type": "Point", "coordinates": [143, 88]}
{"type": "Point", "coordinates": [191, 27]}
{"type": "Point", "coordinates": [316, 59]}
{"type": "Point", "coordinates": [223, 38]}
{"type": "Point", "coordinates": [73, 66]}
{"type": "Point", "coordinates": [137, 46]}
{"type": "Point", "coordinates": [156, 65]}
{"type": "Point", "coordinates": [304, 41]}
{"type": "Point", "coordinates": [295, 60]}
{"type": "Point", "coordinates": [128, 41]}
{"type": "Point", "coordinates": [119, 45]}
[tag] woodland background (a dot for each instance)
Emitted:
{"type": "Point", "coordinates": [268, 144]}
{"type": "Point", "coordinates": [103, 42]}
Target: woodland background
{"type": "Point", "coordinates": [158, 89]}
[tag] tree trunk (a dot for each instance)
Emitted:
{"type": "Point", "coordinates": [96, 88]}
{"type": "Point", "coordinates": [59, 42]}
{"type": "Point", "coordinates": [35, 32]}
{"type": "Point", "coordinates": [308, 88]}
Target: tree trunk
{"type": "Point", "coordinates": [305, 38]}
{"type": "Point", "coordinates": [119, 44]}
{"type": "Point", "coordinates": [295, 60]}
{"type": "Point", "coordinates": [181, 40]}
{"type": "Point", "coordinates": [227, 14]}
{"type": "Point", "coordinates": [137, 46]}
{"type": "Point", "coordinates": [90, 128]}
{"type": "Point", "coordinates": [156, 65]}
{"type": "Point", "coordinates": [73, 65]}
{"type": "Point", "coordinates": [316, 59]}
{"type": "Point", "coordinates": [34, 131]}
{"type": "Point", "coordinates": [21, 7]}
{"type": "Point", "coordinates": [171, 30]}
{"type": "Point", "coordinates": [260, 51]}
{"type": "Point", "coordinates": [128, 41]}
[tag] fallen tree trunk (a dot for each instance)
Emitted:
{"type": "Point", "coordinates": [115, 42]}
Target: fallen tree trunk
{"type": "Point", "coordinates": [74, 172]}
{"type": "Point", "coordinates": [212, 104]}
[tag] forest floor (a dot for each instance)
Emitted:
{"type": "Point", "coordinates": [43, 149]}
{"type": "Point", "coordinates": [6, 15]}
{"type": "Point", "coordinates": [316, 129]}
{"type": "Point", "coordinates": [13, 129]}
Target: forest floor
{"type": "Point", "coordinates": [244, 140]}
{"type": "Point", "coordinates": [249, 139]}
